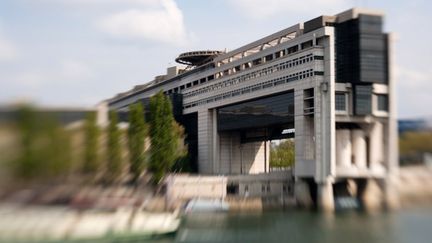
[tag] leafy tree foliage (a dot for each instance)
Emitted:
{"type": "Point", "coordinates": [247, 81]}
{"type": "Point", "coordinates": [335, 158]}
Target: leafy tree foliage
{"type": "Point", "coordinates": [412, 146]}
{"type": "Point", "coordinates": [91, 144]}
{"type": "Point", "coordinates": [137, 132]}
{"type": "Point", "coordinates": [114, 159]}
{"type": "Point", "coordinates": [163, 135]}
{"type": "Point", "coordinates": [282, 155]}
{"type": "Point", "coordinates": [44, 145]}
{"type": "Point", "coordinates": [182, 162]}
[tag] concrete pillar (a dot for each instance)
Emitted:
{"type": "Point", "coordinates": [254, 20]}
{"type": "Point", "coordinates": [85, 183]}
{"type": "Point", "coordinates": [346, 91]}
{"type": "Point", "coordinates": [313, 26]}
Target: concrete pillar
{"type": "Point", "coordinates": [207, 142]}
{"type": "Point", "coordinates": [376, 147]}
{"type": "Point", "coordinates": [102, 113]}
{"type": "Point", "coordinates": [371, 195]}
{"type": "Point", "coordinates": [325, 198]}
{"type": "Point", "coordinates": [303, 194]}
{"type": "Point", "coordinates": [343, 148]}
{"type": "Point", "coordinates": [298, 125]}
{"type": "Point", "coordinates": [267, 156]}
{"type": "Point", "coordinates": [391, 194]}
{"type": "Point", "coordinates": [359, 148]}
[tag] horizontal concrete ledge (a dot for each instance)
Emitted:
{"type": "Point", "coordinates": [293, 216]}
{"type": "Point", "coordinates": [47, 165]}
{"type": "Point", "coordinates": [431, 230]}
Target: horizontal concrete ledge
{"type": "Point", "coordinates": [356, 172]}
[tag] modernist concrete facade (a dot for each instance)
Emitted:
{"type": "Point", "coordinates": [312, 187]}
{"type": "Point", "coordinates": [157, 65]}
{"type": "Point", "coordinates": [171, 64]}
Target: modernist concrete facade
{"type": "Point", "coordinates": [326, 82]}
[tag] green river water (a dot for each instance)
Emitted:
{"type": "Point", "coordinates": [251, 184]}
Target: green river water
{"type": "Point", "coordinates": [404, 226]}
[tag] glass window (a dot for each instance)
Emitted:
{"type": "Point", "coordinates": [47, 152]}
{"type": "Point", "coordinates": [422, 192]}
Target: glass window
{"type": "Point", "coordinates": [363, 99]}
{"type": "Point", "coordinates": [382, 102]}
{"type": "Point", "coordinates": [340, 102]}
{"type": "Point", "coordinates": [263, 112]}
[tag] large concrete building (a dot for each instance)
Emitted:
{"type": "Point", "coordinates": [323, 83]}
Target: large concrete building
{"type": "Point", "coordinates": [326, 82]}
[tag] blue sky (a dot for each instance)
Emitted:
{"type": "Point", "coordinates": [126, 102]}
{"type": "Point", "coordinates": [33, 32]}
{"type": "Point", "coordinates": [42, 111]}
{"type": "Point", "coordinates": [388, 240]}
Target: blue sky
{"type": "Point", "coordinates": [78, 52]}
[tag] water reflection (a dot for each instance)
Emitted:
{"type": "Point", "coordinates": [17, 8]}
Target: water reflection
{"type": "Point", "coordinates": [294, 226]}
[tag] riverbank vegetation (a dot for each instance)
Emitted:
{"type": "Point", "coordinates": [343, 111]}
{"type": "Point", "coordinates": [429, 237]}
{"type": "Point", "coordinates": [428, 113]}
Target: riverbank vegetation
{"type": "Point", "coordinates": [43, 150]}
{"type": "Point", "coordinates": [414, 147]}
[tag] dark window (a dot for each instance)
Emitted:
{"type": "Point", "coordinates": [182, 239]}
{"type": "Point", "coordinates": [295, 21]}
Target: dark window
{"type": "Point", "coordinates": [211, 77]}
{"type": "Point", "coordinates": [361, 54]}
{"type": "Point", "coordinates": [340, 102]}
{"type": "Point", "coordinates": [306, 44]}
{"type": "Point", "coordinates": [232, 189]}
{"type": "Point", "coordinates": [319, 73]}
{"type": "Point", "coordinates": [256, 88]}
{"type": "Point", "coordinates": [292, 49]}
{"type": "Point", "coordinates": [319, 57]}
{"type": "Point", "coordinates": [256, 61]}
{"type": "Point", "coordinates": [279, 82]}
{"type": "Point", "coordinates": [382, 102]}
{"type": "Point", "coordinates": [269, 57]}
{"type": "Point", "coordinates": [273, 110]}
{"type": "Point", "coordinates": [363, 99]}
{"type": "Point", "coordinates": [195, 82]}
{"type": "Point", "coordinates": [267, 85]}
{"type": "Point", "coordinates": [245, 91]}
{"type": "Point", "coordinates": [237, 68]}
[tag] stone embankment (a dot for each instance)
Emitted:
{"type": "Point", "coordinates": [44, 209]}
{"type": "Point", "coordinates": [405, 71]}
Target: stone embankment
{"type": "Point", "coordinates": [63, 212]}
{"type": "Point", "coordinates": [415, 186]}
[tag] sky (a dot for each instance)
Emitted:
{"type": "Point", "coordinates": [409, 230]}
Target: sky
{"type": "Point", "coordinates": [79, 52]}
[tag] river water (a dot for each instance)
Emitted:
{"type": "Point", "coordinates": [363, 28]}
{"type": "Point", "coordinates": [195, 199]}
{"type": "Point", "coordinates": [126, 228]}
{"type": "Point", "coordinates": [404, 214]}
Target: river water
{"type": "Point", "coordinates": [404, 226]}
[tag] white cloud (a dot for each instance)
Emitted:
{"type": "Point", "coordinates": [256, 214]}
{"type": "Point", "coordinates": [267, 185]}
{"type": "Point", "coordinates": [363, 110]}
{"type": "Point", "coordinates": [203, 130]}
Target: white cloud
{"type": "Point", "coordinates": [65, 72]}
{"type": "Point", "coordinates": [8, 50]}
{"type": "Point", "coordinates": [97, 2]}
{"type": "Point", "coordinates": [413, 79]}
{"type": "Point", "coordinates": [260, 9]}
{"type": "Point", "coordinates": [163, 24]}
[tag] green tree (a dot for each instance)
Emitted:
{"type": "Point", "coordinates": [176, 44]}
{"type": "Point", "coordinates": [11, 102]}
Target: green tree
{"type": "Point", "coordinates": [413, 145]}
{"type": "Point", "coordinates": [28, 161]}
{"type": "Point", "coordinates": [182, 162]}
{"type": "Point", "coordinates": [114, 165]}
{"type": "Point", "coordinates": [137, 132]}
{"type": "Point", "coordinates": [45, 146]}
{"type": "Point", "coordinates": [282, 155]}
{"type": "Point", "coordinates": [164, 140]}
{"type": "Point", "coordinates": [91, 144]}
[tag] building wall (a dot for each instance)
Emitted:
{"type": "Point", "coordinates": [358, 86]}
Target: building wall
{"type": "Point", "coordinates": [242, 158]}
{"type": "Point", "coordinates": [326, 140]}
{"type": "Point", "coordinates": [272, 184]}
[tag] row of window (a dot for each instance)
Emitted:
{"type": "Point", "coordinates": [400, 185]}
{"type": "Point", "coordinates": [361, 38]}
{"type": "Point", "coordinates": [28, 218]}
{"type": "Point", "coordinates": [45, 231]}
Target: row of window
{"type": "Point", "coordinates": [277, 54]}
{"type": "Point", "coordinates": [271, 83]}
{"type": "Point", "coordinates": [341, 101]}
{"type": "Point", "coordinates": [243, 66]}
{"type": "Point", "coordinates": [256, 74]}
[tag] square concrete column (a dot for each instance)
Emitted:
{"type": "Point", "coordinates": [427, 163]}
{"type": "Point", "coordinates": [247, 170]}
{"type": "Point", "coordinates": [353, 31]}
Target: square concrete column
{"type": "Point", "coordinates": [207, 142]}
